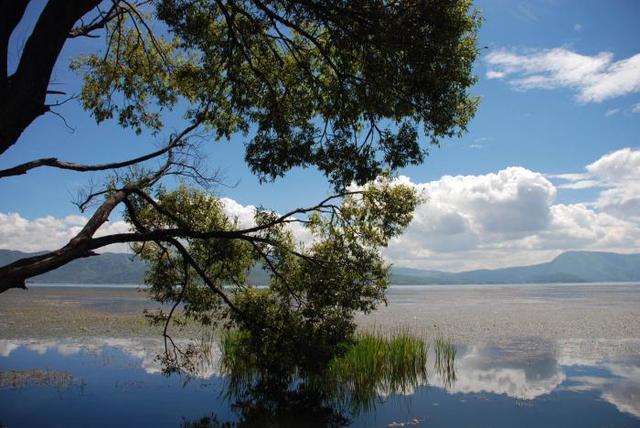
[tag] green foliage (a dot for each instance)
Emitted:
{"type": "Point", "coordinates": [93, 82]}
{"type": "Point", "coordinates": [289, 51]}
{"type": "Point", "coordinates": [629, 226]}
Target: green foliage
{"type": "Point", "coordinates": [224, 261]}
{"type": "Point", "coordinates": [346, 86]}
{"type": "Point", "coordinates": [305, 316]}
{"type": "Point", "coordinates": [129, 82]}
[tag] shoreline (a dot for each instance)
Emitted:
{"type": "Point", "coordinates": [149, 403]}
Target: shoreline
{"type": "Point", "coordinates": [392, 286]}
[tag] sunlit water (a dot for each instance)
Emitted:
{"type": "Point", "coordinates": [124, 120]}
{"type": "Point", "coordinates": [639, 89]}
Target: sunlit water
{"type": "Point", "coordinates": [522, 382]}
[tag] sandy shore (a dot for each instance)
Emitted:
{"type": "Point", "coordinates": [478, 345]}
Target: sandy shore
{"type": "Point", "coordinates": [464, 314]}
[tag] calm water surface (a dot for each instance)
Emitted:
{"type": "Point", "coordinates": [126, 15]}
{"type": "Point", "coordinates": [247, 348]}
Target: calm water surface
{"type": "Point", "coordinates": [525, 382]}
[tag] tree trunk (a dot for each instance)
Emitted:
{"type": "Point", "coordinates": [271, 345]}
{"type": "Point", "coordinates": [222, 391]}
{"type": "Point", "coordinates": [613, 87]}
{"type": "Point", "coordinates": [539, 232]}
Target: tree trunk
{"type": "Point", "coordinates": [23, 94]}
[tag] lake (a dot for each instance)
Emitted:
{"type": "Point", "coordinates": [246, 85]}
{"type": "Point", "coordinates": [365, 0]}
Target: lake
{"type": "Point", "coordinates": [527, 355]}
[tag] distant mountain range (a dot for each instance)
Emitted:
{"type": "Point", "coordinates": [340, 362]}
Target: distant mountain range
{"type": "Point", "coordinates": [572, 266]}
{"type": "Point", "coordinates": [107, 268]}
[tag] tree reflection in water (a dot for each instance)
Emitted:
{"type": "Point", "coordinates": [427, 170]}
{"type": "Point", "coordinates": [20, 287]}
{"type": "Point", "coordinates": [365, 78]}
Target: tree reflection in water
{"type": "Point", "coordinates": [374, 368]}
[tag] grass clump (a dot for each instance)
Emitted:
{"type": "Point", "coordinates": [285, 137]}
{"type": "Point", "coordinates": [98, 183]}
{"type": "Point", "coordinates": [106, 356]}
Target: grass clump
{"type": "Point", "coordinates": [445, 353]}
{"type": "Point", "coordinates": [378, 365]}
{"type": "Point", "coordinates": [369, 367]}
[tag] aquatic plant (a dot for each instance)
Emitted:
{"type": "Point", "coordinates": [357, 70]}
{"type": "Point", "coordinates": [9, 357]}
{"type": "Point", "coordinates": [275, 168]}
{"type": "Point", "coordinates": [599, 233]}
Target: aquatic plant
{"type": "Point", "coordinates": [371, 366]}
{"type": "Point", "coordinates": [17, 379]}
{"type": "Point", "coordinates": [445, 354]}
{"type": "Point", "coordinates": [378, 365]}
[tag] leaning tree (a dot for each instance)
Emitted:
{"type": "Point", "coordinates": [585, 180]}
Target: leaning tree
{"type": "Point", "coordinates": [355, 89]}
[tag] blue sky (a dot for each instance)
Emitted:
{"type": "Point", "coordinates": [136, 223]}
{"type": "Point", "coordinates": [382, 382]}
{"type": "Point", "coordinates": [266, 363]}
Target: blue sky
{"type": "Point", "coordinates": [560, 89]}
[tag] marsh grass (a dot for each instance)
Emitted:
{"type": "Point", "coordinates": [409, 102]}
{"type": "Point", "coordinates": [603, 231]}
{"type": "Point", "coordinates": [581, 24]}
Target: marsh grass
{"type": "Point", "coordinates": [378, 365]}
{"type": "Point", "coordinates": [374, 365]}
{"type": "Point", "coordinates": [445, 355]}
{"type": "Point", "coordinates": [240, 367]}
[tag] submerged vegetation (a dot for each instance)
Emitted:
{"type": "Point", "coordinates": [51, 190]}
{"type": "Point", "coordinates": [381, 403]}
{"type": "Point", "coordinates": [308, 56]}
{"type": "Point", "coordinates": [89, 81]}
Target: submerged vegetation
{"type": "Point", "coordinates": [378, 365]}
{"type": "Point", "coordinates": [17, 379]}
{"type": "Point", "coordinates": [445, 355]}
{"type": "Point", "coordinates": [370, 367]}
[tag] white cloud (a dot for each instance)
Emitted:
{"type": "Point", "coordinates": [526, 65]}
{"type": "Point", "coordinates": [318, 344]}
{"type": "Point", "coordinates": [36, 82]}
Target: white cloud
{"type": "Point", "coordinates": [577, 27]}
{"type": "Point", "coordinates": [617, 167]}
{"type": "Point", "coordinates": [245, 218]}
{"type": "Point", "coordinates": [492, 74]}
{"type": "Point", "coordinates": [511, 217]}
{"type": "Point", "coordinates": [611, 112]}
{"type": "Point", "coordinates": [595, 78]}
{"type": "Point", "coordinates": [244, 214]}
{"type": "Point", "coordinates": [635, 108]}
{"type": "Point", "coordinates": [571, 176]}
{"type": "Point", "coordinates": [579, 185]}
{"type": "Point", "coordinates": [48, 233]}
{"type": "Point", "coordinates": [618, 173]}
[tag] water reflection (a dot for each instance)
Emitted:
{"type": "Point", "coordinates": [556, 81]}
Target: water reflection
{"type": "Point", "coordinates": [143, 350]}
{"type": "Point", "coordinates": [587, 374]}
{"type": "Point", "coordinates": [618, 381]}
{"type": "Point", "coordinates": [523, 370]}
{"type": "Point", "coordinates": [529, 369]}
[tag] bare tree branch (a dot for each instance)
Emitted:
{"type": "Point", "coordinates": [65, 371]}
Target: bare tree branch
{"type": "Point", "coordinates": [81, 245]}
{"type": "Point", "coordinates": [99, 22]}
{"type": "Point", "coordinates": [55, 163]}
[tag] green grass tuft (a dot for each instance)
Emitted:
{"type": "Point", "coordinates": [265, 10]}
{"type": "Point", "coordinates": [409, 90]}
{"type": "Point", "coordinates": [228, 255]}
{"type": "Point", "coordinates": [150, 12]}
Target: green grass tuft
{"type": "Point", "coordinates": [373, 365]}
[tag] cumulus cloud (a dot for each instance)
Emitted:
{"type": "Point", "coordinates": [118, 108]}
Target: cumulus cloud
{"type": "Point", "coordinates": [595, 78]}
{"type": "Point", "coordinates": [48, 233]}
{"type": "Point", "coordinates": [620, 166]}
{"type": "Point", "coordinates": [511, 217]}
{"type": "Point", "coordinates": [244, 215]}
{"type": "Point", "coordinates": [618, 173]}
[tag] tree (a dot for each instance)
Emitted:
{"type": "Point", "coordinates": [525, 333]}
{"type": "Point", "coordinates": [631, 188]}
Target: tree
{"type": "Point", "coordinates": [300, 321]}
{"type": "Point", "coordinates": [348, 87]}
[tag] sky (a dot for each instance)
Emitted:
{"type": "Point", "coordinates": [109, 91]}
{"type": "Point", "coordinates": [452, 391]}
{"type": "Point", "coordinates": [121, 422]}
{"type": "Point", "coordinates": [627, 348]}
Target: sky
{"type": "Point", "coordinates": [550, 163]}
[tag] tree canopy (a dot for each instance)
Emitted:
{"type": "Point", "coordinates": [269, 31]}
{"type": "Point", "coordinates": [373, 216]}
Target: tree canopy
{"type": "Point", "coordinates": [342, 86]}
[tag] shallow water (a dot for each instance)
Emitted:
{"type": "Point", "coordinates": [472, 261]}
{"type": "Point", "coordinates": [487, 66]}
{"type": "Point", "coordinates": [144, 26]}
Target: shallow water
{"type": "Point", "coordinates": [575, 377]}
{"type": "Point", "coordinates": [117, 382]}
